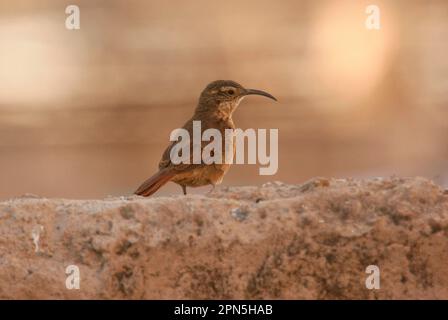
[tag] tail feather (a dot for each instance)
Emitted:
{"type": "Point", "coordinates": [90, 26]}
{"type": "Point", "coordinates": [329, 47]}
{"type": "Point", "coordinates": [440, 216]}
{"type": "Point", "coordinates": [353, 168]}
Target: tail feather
{"type": "Point", "coordinates": [154, 183]}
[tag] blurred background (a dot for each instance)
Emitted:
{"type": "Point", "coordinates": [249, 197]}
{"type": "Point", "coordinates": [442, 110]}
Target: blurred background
{"type": "Point", "coordinates": [87, 113]}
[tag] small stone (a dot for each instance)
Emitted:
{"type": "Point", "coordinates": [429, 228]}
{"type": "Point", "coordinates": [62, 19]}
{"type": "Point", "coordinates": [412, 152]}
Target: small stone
{"type": "Point", "coordinates": [240, 214]}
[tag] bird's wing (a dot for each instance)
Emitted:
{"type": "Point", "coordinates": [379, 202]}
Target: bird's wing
{"type": "Point", "coordinates": [165, 162]}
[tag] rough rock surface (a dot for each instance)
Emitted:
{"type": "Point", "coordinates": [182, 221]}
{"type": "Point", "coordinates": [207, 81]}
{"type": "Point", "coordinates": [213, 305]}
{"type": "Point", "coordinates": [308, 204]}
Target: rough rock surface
{"type": "Point", "coordinates": [310, 241]}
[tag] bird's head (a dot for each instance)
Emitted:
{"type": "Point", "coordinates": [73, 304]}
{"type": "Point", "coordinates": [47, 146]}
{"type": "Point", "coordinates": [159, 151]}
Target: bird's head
{"type": "Point", "coordinates": [225, 95]}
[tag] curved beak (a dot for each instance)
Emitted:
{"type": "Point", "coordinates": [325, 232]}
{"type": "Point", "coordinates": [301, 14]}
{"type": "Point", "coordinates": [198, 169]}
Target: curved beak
{"type": "Point", "coordinates": [259, 92]}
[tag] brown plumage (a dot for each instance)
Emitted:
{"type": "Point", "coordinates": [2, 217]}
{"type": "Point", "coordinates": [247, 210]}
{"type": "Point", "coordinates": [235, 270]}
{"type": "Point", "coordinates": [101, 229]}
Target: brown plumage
{"type": "Point", "coordinates": [216, 105]}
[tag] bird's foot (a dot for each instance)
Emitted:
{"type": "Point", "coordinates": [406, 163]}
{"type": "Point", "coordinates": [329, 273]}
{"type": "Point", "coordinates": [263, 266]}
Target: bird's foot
{"type": "Point", "coordinates": [211, 189]}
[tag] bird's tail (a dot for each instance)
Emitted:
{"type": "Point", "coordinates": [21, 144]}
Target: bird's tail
{"type": "Point", "coordinates": [154, 183]}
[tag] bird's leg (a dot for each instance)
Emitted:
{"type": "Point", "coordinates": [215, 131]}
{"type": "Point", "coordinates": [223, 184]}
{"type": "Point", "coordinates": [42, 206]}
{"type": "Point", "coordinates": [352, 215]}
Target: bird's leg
{"type": "Point", "coordinates": [184, 189]}
{"type": "Point", "coordinates": [213, 188]}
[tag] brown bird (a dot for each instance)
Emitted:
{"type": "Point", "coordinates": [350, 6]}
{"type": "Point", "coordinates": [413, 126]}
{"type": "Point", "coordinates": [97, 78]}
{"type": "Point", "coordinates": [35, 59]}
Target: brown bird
{"type": "Point", "coordinates": [216, 105]}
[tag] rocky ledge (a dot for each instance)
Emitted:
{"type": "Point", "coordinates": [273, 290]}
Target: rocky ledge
{"type": "Point", "coordinates": [277, 241]}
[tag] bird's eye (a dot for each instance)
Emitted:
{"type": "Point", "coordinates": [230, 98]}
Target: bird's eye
{"type": "Point", "coordinates": [231, 92]}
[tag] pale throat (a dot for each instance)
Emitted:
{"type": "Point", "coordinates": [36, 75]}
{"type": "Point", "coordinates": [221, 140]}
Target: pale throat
{"type": "Point", "coordinates": [226, 109]}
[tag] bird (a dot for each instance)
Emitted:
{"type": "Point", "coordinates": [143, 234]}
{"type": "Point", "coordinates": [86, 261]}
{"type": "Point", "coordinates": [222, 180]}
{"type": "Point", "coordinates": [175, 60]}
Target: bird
{"type": "Point", "coordinates": [215, 108]}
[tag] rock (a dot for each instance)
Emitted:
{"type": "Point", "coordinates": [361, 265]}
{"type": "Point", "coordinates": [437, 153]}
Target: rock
{"type": "Point", "coordinates": [278, 241]}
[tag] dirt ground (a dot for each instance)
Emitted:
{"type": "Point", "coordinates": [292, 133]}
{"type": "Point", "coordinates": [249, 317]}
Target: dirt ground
{"type": "Point", "coordinates": [309, 241]}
